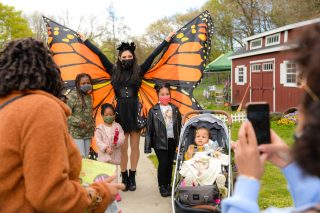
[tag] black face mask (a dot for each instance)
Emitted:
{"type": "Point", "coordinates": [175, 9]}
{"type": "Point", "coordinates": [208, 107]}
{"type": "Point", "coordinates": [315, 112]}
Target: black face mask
{"type": "Point", "coordinates": [127, 64]}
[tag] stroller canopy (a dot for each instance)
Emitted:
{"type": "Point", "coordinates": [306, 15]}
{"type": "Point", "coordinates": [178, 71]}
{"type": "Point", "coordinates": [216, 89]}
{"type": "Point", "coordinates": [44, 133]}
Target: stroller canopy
{"type": "Point", "coordinates": [217, 128]}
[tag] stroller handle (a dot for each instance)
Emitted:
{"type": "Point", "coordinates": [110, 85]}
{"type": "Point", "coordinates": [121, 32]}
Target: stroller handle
{"type": "Point", "coordinates": [221, 112]}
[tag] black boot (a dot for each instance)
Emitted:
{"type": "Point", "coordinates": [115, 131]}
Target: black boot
{"type": "Point", "coordinates": [125, 180]}
{"type": "Point", "coordinates": [132, 180]}
{"type": "Point", "coordinates": [169, 188]}
{"type": "Point", "coordinates": [164, 191]}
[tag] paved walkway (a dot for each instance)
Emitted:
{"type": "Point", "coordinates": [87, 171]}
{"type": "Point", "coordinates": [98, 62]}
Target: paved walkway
{"type": "Point", "coordinates": [147, 197]}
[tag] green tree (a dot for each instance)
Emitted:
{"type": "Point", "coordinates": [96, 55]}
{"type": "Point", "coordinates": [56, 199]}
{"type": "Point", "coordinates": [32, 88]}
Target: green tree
{"type": "Point", "coordinates": [291, 11]}
{"type": "Point", "coordinates": [157, 31]}
{"type": "Point", "coordinates": [143, 48]}
{"type": "Point", "coordinates": [12, 25]}
{"type": "Point", "coordinates": [235, 20]}
{"type": "Point", "coordinates": [114, 31]}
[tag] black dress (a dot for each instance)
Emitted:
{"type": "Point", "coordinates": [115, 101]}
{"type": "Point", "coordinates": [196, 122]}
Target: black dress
{"type": "Point", "coordinates": [126, 92]}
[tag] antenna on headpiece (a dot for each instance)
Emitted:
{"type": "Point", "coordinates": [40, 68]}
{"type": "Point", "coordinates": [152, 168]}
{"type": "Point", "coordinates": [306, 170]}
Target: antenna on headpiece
{"type": "Point", "coordinates": [126, 46]}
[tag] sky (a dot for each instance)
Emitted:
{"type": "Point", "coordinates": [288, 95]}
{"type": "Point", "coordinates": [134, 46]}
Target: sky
{"type": "Point", "coordinates": [137, 14]}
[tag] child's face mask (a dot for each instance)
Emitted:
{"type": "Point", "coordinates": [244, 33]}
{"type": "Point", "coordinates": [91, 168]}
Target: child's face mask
{"type": "Point", "coordinates": [164, 100]}
{"type": "Point", "coordinates": [108, 119]}
{"type": "Point", "coordinates": [86, 88]}
{"type": "Point", "coordinates": [85, 84]}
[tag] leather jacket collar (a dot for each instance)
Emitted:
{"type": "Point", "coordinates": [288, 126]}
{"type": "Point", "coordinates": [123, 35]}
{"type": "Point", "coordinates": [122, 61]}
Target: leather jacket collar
{"type": "Point", "coordinates": [159, 115]}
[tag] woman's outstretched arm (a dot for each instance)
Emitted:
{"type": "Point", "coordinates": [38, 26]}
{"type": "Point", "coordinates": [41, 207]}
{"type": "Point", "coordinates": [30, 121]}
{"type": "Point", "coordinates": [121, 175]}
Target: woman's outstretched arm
{"type": "Point", "coordinates": [145, 66]}
{"type": "Point", "coordinates": [104, 60]}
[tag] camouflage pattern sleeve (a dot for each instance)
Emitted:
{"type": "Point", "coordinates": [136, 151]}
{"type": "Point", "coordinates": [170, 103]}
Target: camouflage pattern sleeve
{"type": "Point", "coordinates": [72, 102]}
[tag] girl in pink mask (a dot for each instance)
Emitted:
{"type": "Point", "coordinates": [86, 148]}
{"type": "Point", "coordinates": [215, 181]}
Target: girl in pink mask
{"type": "Point", "coordinates": [163, 130]}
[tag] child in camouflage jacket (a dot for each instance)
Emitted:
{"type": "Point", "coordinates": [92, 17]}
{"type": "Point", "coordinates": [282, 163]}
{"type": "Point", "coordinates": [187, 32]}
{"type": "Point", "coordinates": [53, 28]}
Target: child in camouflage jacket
{"type": "Point", "coordinates": [81, 122]}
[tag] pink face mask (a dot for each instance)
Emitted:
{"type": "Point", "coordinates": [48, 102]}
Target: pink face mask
{"type": "Point", "coordinates": [164, 100]}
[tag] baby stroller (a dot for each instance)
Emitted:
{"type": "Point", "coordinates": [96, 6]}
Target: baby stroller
{"type": "Point", "coordinates": [202, 198]}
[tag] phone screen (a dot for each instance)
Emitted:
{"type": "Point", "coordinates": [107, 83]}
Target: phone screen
{"type": "Point", "coordinates": [258, 115]}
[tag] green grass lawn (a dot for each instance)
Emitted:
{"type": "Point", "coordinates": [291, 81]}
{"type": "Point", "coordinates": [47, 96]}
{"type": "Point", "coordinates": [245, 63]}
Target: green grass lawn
{"type": "Point", "coordinates": [274, 188]}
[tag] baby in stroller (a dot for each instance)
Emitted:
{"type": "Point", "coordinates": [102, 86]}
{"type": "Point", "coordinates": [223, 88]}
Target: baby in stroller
{"type": "Point", "coordinates": [204, 163]}
{"type": "Point", "coordinates": [203, 172]}
{"type": "Point", "coordinates": [203, 143]}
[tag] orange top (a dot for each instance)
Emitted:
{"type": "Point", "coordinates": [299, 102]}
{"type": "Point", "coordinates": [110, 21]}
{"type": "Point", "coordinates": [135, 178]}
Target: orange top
{"type": "Point", "coordinates": [40, 164]}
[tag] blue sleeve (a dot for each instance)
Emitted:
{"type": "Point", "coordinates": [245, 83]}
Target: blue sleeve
{"type": "Point", "coordinates": [304, 189]}
{"type": "Point", "coordinates": [244, 198]}
{"type": "Point", "coordinates": [148, 62]}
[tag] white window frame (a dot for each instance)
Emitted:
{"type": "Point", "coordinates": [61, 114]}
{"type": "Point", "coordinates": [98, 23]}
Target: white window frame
{"type": "Point", "coordinates": [244, 68]}
{"type": "Point", "coordinates": [267, 70]}
{"type": "Point", "coordinates": [253, 65]}
{"type": "Point", "coordinates": [285, 36]}
{"type": "Point", "coordinates": [274, 43]}
{"type": "Point", "coordinates": [256, 47]}
{"type": "Point", "coordinates": [284, 74]}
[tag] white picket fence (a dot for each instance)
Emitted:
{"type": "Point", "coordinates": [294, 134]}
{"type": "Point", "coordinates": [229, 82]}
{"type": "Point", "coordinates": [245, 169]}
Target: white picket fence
{"type": "Point", "coordinates": [236, 117]}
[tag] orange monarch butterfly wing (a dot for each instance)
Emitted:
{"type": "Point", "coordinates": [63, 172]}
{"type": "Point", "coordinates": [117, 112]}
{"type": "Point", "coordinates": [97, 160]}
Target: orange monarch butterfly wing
{"type": "Point", "coordinates": [74, 57]}
{"type": "Point", "coordinates": [181, 65]}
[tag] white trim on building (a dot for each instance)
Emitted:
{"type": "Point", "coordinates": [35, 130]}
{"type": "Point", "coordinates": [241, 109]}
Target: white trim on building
{"type": "Point", "coordinates": [274, 85]}
{"type": "Point", "coordinates": [284, 73]}
{"type": "Point", "coordinates": [231, 83]}
{"type": "Point", "coordinates": [254, 42]}
{"type": "Point", "coordinates": [240, 75]}
{"type": "Point", "coordinates": [273, 39]}
{"type": "Point", "coordinates": [256, 67]}
{"type": "Point", "coordinates": [284, 28]}
{"type": "Point", "coordinates": [285, 36]}
{"type": "Point", "coordinates": [264, 51]}
{"type": "Point", "coordinates": [268, 66]}
{"type": "Point", "coordinates": [262, 60]}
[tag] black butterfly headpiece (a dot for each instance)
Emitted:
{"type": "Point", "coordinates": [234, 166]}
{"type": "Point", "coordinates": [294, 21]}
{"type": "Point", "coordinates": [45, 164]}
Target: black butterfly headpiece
{"type": "Point", "coordinates": [126, 46]}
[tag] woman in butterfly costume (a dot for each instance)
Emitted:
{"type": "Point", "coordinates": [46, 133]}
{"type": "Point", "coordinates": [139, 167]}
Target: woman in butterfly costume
{"type": "Point", "coordinates": [126, 78]}
{"type": "Point", "coordinates": [181, 64]}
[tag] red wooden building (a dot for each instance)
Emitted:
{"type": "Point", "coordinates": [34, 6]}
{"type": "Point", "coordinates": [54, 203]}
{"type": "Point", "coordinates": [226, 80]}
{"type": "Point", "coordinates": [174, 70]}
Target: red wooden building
{"type": "Point", "coordinates": [264, 67]}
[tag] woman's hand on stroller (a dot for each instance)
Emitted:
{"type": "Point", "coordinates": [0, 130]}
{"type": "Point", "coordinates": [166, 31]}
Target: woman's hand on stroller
{"type": "Point", "coordinates": [278, 151]}
{"type": "Point", "coordinates": [247, 156]}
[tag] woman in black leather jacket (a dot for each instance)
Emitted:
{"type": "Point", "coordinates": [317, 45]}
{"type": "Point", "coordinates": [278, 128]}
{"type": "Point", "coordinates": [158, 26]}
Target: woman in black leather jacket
{"type": "Point", "coordinates": [163, 130]}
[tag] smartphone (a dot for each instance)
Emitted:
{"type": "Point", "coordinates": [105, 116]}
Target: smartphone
{"type": "Point", "coordinates": [258, 115]}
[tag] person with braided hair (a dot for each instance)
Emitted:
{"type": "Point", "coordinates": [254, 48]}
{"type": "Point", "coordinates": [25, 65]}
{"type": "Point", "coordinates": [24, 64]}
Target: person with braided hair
{"type": "Point", "coordinates": [81, 122]}
{"type": "Point", "coordinates": [40, 164]}
{"type": "Point", "coordinates": [299, 164]}
{"type": "Point", "coordinates": [126, 78]}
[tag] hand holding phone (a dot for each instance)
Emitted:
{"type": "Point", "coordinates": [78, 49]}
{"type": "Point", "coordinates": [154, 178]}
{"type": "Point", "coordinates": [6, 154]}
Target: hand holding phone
{"type": "Point", "coordinates": [258, 115]}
